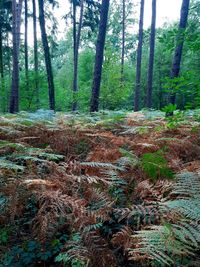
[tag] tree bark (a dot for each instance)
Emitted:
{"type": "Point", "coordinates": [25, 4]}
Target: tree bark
{"type": "Point", "coordinates": [75, 88]}
{"type": "Point", "coordinates": [123, 39]}
{"type": "Point", "coordinates": [1, 55]}
{"type": "Point", "coordinates": [47, 56]}
{"type": "Point", "coordinates": [2, 71]}
{"type": "Point", "coordinates": [35, 54]}
{"type": "Point", "coordinates": [94, 104]}
{"type": "Point", "coordinates": [151, 56]}
{"type": "Point", "coordinates": [139, 59]}
{"type": "Point", "coordinates": [1, 48]}
{"type": "Point", "coordinates": [16, 24]}
{"type": "Point", "coordinates": [26, 45]}
{"type": "Point", "coordinates": [179, 46]}
{"type": "Point", "coordinates": [76, 37]}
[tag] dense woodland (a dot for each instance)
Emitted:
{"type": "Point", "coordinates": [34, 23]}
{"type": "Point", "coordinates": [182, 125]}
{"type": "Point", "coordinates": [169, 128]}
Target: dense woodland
{"type": "Point", "coordinates": [99, 135]}
{"type": "Point", "coordinates": [134, 71]}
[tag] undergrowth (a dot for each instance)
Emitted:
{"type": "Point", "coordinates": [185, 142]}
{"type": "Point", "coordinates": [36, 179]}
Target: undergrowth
{"type": "Point", "coordinates": [110, 189]}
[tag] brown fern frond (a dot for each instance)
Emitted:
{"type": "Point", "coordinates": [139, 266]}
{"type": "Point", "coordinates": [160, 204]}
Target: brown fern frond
{"type": "Point", "coordinates": [123, 237]}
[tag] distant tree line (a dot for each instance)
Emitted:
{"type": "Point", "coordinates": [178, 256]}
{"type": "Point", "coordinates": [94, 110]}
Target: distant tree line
{"type": "Point", "coordinates": [101, 64]}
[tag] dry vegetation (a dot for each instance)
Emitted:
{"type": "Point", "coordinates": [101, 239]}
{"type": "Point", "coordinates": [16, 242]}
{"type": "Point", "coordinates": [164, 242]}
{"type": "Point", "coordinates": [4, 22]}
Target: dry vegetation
{"type": "Point", "coordinates": [113, 189]}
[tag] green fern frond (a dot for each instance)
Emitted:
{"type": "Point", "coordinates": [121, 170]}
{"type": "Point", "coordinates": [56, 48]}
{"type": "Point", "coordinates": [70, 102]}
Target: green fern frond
{"type": "Point", "coordinates": [159, 243]}
{"type": "Point", "coordinates": [189, 208]}
{"type": "Point", "coordinates": [136, 130]}
{"type": "Point", "coordinates": [6, 164]}
{"type": "Point", "coordinates": [128, 159]}
{"type": "Point", "coordinates": [181, 238]}
{"type": "Point", "coordinates": [16, 146]}
{"type": "Point", "coordinates": [156, 166]}
{"type": "Point", "coordinates": [187, 185]}
{"type": "Point", "coordinates": [100, 165]}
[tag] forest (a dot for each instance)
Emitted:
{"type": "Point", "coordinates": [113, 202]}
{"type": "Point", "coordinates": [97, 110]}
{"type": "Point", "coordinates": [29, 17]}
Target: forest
{"type": "Point", "coordinates": [99, 133]}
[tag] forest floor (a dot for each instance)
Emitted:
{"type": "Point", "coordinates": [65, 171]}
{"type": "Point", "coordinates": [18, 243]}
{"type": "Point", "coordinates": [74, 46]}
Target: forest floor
{"type": "Point", "coordinates": [81, 190]}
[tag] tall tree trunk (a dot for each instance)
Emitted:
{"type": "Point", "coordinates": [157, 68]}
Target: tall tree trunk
{"type": "Point", "coordinates": [26, 42]}
{"type": "Point", "coordinates": [151, 56]}
{"type": "Point", "coordinates": [123, 39]}
{"type": "Point", "coordinates": [2, 87]}
{"type": "Point", "coordinates": [1, 55]}
{"type": "Point", "coordinates": [179, 46]}
{"type": "Point", "coordinates": [76, 37]}
{"type": "Point", "coordinates": [94, 106]}
{"type": "Point", "coordinates": [75, 87]}
{"type": "Point", "coordinates": [160, 93]}
{"type": "Point", "coordinates": [139, 58]}
{"type": "Point", "coordinates": [47, 56]}
{"type": "Point", "coordinates": [16, 23]}
{"type": "Point", "coordinates": [9, 55]}
{"type": "Point", "coordinates": [35, 55]}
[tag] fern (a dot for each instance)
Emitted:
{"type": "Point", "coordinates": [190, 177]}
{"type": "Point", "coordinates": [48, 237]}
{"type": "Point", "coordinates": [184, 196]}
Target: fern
{"type": "Point", "coordinates": [180, 238]}
{"type": "Point", "coordinates": [136, 130]}
{"type": "Point", "coordinates": [102, 165]}
{"type": "Point", "coordinates": [155, 166]}
{"type": "Point", "coordinates": [187, 185]}
{"type": "Point", "coordinates": [128, 159]}
{"type": "Point", "coordinates": [6, 164]}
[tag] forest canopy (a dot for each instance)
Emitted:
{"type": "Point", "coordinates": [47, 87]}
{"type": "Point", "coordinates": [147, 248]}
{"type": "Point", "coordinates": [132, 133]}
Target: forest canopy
{"type": "Point", "coordinates": [136, 69]}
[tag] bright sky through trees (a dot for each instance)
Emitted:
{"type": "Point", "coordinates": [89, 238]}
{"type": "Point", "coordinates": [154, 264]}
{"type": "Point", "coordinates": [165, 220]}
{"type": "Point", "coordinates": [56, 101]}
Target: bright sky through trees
{"type": "Point", "coordinates": [167, 11]}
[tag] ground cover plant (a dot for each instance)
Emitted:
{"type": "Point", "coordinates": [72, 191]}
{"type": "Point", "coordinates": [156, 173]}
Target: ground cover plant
{"type": "Point", "coordinates": [110, 189]}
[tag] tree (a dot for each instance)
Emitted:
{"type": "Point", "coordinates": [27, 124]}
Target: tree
{"type": "Point", "coordinates": [139, 58]}
{"type": "Point", "coordinates": [26, 43]}
{"type": "Point", "coordinates": [94, 104]}
{"type": "Point", "coordinates": [123, 38]}
{"type": "Point", "coordinates": [179, 46]}
{"type": "Point", "coordinates": [35, 54]}
{"type": "Point", "coordinates": [1, 51]}
{"type": "Point", "coordinates": [47, 55]}
{"type": "Point", "coordinates": [151, 55]}
{"type": "Point", "coordinates": [76, 44]}
{"type": "Point", "coordinates": [16, 24]}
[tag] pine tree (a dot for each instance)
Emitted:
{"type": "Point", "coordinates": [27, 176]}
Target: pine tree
{"type": "Point", "coordinates": [179, 46]}
{"type": "Point", "coordinates": [47, 55]}
{"type": "Point", "coordinates": [94, 104]}
{"type": "Point", "coordinates": [139, 58]}
{"type": "Point", "coordinates": [151, 56]}
{"type": "Point", "coordinates": [16, 25]}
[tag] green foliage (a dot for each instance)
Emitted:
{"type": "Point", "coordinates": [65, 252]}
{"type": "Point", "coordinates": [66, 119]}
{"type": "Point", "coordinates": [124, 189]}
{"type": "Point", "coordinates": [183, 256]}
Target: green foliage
{"type": "Point", "coordinates": [31, 252]}
{"type": "Point", "coordinates": [65, 258]}
{"type": "Point", "coordinates": [174, 121]}
{"type": "Point", "coordinates": [169, 108]}
{"type": "Point", "coordinates": [155, 166]}
{"type": "Point", "coordinates": [167, 243]}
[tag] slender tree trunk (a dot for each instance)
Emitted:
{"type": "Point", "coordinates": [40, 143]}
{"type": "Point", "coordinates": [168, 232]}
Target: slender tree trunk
{"type": "Point", "coordinates": [151, 56]}
{"type": "Point", "coordinates": [47, 56]}
{"type": "Point", "coordinates": [1, 55]}
{"type": "Point", "coordinates": [9, 73]}
{"type": "Point", "coordinates": [2, 73]}
{"type": "Point", "coordinates": [123, 39]}
{"type": "Point", "coordinates": [160, 90]}
{"type": "Point", "coordinates": [94, 106]}
{"type": "Point", "coordinates": [26, 44]}
{"type": "Point", "coordinates": [35, 55]}
{"type": "Point", "coordinates": [179, 47]}
{"type": "Point", "coordinates": [76, 37]}
{"type": "Point", "coordinates": [16, 23]}
{"type": "Point", "coordinates": [75, 87]}
{"type": "Point", "coordinates": [139, 59]}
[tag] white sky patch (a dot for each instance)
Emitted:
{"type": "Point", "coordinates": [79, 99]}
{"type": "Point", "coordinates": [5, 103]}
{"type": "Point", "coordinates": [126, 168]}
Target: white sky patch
{"type": "Point", "coordinates": [167, 11]}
